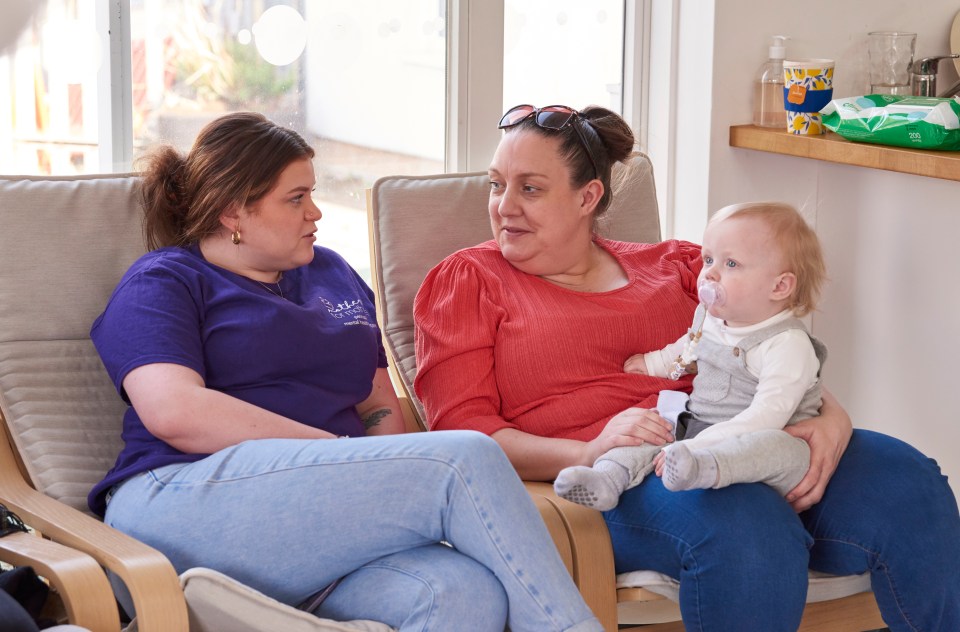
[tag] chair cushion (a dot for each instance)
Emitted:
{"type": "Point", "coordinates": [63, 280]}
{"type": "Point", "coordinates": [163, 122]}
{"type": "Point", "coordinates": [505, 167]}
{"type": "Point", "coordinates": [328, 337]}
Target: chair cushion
{"type": "Point", "coordinates": [88, 228]}
{"type": "Point", "coordinates": [821, 587]}
{"type": "Point", "coordinates": [72, 238]}
{"type": "Point", "coordinates": [451, 209]}
{"type": "Point", "coordinates": [63, 413]}
{"type": "Point", "coordinates": [216, 602]}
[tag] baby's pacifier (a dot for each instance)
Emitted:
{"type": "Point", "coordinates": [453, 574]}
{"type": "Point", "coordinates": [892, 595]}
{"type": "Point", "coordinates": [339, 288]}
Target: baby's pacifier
{"type": "Point", "coordinates": [711, 293]}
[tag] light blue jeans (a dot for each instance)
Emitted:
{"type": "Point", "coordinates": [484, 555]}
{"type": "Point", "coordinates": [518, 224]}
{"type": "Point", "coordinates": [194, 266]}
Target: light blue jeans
{"type": "Point", "coordinates": [288, 517]}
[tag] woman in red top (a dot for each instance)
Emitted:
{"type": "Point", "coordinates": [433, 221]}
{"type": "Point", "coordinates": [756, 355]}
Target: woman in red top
{"type": "Point", "coordinates": [524, 338]}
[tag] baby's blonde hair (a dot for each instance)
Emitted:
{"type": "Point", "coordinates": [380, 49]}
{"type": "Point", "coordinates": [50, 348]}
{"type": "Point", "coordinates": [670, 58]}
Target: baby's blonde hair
{"type": "Point", "coordinates": [798, 243]}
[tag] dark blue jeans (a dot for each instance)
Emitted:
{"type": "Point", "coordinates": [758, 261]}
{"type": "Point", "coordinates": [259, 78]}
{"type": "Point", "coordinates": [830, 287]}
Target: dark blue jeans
{"type": "Point", "coordinates": [741, 553]}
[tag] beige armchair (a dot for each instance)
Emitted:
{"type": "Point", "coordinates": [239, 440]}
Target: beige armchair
{"type": "Point", "coordinates": [64, 244]}
{"type": "Point", "coordinates": [417, 221]}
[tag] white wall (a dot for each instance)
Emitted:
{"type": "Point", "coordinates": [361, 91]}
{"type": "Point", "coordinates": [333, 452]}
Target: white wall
{"type": "Point", "coordinates": [891, 312]}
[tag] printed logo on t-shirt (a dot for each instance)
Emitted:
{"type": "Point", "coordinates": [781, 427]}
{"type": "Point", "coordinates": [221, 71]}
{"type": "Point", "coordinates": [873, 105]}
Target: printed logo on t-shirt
{"type": "Point", "coordinates": [350, 311]}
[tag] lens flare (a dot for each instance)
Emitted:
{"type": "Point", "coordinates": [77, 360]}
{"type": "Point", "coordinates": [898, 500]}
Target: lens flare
{"type": "Point", "coordinates": [280, 35]}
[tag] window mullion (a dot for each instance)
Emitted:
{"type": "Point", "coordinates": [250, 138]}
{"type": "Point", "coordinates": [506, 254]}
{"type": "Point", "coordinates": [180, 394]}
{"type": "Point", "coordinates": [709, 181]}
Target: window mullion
{"type": "Point", "coordinates": [474, 82]}
{"type": "Point", "coordinates": [115, 111]}
{"type": "Point", "coordinates": [636, 66]}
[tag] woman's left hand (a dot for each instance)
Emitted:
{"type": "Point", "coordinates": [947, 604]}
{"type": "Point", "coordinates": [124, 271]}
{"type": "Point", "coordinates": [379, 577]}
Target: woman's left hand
{"type": "Point", "coordinates": [827, 436]}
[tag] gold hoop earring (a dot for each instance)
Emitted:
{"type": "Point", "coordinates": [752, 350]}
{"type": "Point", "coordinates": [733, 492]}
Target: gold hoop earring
{"type": "Point", "coordinates": [235, 237]}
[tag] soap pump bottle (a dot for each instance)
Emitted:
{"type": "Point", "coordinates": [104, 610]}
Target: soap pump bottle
{"type": "Point", "coordinates": [768, 88]}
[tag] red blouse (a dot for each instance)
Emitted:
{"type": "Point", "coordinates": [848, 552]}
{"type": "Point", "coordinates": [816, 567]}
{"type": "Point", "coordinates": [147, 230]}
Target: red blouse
{"type": "Point", "coordinates": [499, 348]}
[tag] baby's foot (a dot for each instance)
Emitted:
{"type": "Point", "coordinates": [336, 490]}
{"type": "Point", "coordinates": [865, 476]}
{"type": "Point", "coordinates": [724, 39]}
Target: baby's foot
{"type": "Point", "coordinates": [587, 486]}
{"type": "Point", "coordinates": [684, 468]}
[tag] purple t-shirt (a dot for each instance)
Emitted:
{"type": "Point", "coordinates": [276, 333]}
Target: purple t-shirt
{"type": "Point", "coordinates": [310, 356]}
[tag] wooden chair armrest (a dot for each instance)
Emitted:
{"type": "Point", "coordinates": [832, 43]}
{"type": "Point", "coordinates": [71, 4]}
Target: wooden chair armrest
{"type": "Point", "coordinates": [148, 575]}
{"type": "Point", "coordinates": [411, 419]}
{"type": "Point", "coordinates": [411, 422]}
{"type": "Point", "coordinates": [76, 576]}
{"type": "Point", "coordinates": [555, 527]}
{"type": "Point", "coordinates": [592, 553]}
{"type": "Point", "coordinates": [856, 612]}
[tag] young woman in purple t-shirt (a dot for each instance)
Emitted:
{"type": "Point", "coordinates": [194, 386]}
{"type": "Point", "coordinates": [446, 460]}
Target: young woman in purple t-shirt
{"type": "Point", "coordinates": [257, 384]}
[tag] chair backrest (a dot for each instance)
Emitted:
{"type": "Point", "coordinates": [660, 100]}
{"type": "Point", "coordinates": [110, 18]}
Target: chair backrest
{"type": "Point", "coordinates": [416, 221]}
{"type": "Point", "coordinates": [64, 244]}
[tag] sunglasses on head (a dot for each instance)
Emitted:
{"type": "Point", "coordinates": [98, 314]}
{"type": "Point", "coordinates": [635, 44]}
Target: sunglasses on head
{"type": "Point", "coordinates": [552, 117]}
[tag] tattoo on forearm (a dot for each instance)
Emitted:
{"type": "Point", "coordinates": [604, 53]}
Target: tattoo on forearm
{"type": "Point", "coordinates": [374, 418]}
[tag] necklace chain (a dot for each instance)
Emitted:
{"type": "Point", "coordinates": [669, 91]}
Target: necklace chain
{"type": "Point", "coordinates": [279, 290]}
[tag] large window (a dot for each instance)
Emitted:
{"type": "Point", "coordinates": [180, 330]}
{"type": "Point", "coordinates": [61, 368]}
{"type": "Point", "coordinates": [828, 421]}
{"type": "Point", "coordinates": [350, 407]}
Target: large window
{"type": "Point", "coordinates": [378, 87]}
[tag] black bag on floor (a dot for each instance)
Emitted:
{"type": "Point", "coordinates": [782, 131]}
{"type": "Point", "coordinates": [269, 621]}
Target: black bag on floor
{"type": "Point", "coordinates": [22, 593]}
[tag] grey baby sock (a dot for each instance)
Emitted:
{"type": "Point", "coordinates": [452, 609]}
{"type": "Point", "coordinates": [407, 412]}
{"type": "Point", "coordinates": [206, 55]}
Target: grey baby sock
{"type": "Point", "coordinates": [684, 468]}
{"type": "Point", "coordinates": [598, 487]}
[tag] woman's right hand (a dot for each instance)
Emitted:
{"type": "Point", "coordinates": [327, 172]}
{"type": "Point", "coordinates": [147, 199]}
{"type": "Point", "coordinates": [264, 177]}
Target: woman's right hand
{"type": "Point", "coordinates": [632, 427]}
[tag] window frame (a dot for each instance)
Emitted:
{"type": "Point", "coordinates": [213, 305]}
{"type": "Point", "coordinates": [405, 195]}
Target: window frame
{"type": "Point", "coordinates": [115, 87]}
{"type": "Point", "coordinates": [475, 95]}
{"type": "Point", "coordinates": [474, 80]}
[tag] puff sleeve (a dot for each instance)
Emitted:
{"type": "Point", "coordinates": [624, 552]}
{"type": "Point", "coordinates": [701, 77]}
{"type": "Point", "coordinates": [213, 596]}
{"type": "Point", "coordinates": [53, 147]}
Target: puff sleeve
{"type": "Point", "coordinates": [456, 327]}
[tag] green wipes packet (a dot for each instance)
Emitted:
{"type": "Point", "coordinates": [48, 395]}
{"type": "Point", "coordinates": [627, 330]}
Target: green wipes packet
{"type": "Point", "coordinates": [904, 121]}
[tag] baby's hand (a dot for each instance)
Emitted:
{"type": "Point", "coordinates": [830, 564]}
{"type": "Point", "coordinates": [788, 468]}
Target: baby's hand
{"type": "Point", "coordinates": [658, 462]}
{"type": "Point", "coordinates": [635, 364]}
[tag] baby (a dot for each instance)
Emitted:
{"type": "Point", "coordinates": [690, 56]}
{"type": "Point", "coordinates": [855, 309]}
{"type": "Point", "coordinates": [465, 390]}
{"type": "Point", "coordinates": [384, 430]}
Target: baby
{"type": "Point", "coordinates": [757, 368]}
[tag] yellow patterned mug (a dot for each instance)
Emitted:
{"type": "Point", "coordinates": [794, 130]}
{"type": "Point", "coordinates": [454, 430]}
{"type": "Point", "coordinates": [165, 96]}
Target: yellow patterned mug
{"type": "Point", "coordinates": [807, 89]}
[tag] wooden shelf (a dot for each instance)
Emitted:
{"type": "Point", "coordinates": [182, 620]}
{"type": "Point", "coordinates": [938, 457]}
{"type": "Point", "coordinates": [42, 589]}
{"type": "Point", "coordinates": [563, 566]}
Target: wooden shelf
{"type": "Point", "coordinates": [832, 148]}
